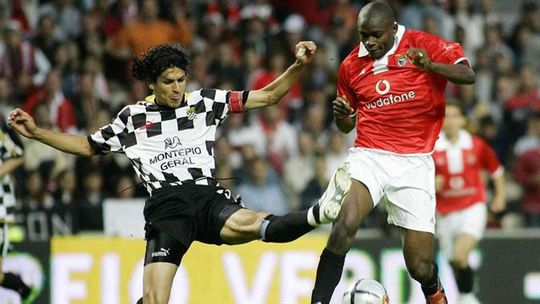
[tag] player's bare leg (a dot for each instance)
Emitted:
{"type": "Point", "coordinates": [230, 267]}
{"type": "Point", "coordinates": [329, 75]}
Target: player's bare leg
{"type": "Point", "coordinates": [157, 282]}
{"type": "Point", "coordinates": [356, 207]}
{"type": "Point", "coordinates": [242, 226]}
{"type": "Point", "coordinates": [463, 246]}
{"type": "Point", "coordinates": [246, 225]}
{"type": "Point", "coordinates": [418, 251]}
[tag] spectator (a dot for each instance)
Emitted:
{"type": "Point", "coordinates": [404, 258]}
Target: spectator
{"type": "Point", "coordinates": [317, 185]}
{"type": "Point", "coordinates": [66, 203]}
{"type": "Point", "coordinates": [298, 170]}
{"type": "Point", "coordinates": [527, 173]}
{"type": "Point", "coordinates": [261, 194]}
{"type": "Point", "coordinates": [531, 139]}
{"type": "Point", "coordinates": [60, 108]}
{"type": "Point", "coordinates": [20, 62]}
{"type": "Point", "coordinates": [91, 205]}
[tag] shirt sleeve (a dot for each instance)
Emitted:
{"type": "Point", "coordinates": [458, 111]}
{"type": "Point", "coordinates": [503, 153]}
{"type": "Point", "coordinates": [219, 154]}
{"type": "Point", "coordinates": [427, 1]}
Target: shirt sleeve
{"type": "Point", "coordinates": [490, 162]}
{"type": "Point", "coordinates": [443, 51]}
{"type": "Point", "coordinates": [216, 102]}
{"type": "Point", "coordinates": [12, 146]}
{"type": "Point", "coordinates": [113, 137]}
{"type": "Point", "coordinates": [343, 88]}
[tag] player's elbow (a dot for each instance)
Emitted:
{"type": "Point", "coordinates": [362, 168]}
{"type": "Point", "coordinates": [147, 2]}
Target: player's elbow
{"type": "Point", "coordinates": [470, 77]}
{"type": "Point", "coordinates": [467, 77]}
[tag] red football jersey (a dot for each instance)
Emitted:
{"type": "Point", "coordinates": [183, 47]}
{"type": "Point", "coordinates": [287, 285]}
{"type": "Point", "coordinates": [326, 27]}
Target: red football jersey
{"type": "Point", "coordinates": [400, 108]}
{"type": "Point", "coordinates": [461, 165]}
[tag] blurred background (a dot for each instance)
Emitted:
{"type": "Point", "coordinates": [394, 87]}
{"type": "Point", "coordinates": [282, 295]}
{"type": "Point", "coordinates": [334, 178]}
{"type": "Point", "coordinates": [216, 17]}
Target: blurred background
{"type": "Point", "coordinates": [67, 63]}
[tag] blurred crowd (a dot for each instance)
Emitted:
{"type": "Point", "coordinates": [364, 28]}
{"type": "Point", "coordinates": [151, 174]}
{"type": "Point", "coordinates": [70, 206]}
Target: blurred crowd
{"type": "Point", "coordinates": [67, 63]}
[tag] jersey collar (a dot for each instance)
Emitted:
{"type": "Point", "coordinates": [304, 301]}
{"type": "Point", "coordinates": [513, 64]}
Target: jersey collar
{"type": "Point", "coordinates": [362, 52]}
{"type": "Point", "coordinates": [464, 141]}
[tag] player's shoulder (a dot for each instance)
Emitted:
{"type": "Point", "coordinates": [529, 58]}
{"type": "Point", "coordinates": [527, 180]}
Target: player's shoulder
{"type": "Point", "coordinates": [353, 59]}
{"type": "Point", "coordinates": [417, 37]}
{"type": "Point", "coordinates": [478, 141]}
{"type": "Point", "coordinates": [207, 95]}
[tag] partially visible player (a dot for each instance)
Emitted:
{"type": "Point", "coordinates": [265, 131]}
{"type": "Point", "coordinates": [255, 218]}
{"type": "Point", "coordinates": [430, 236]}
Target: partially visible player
{"type": "Point", "coordinates": [460, 160]}
{"type": "Point", "coordinates": [391, 88]}
{"type": "Point", "coordinates": [11, 157]}
{"type": "Point", "coordinates": [169, 139]}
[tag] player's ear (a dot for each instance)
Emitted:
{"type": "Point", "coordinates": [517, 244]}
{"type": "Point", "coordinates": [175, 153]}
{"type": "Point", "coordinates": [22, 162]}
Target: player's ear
{"type": "Point", "coordinates": [395, 27]}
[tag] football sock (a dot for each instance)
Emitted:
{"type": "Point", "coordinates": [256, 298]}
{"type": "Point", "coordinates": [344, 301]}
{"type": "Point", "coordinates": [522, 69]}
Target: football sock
{"type": "Point", "coordinates": [432, 286]}
{"type": "Point", "coordinates": [464, 279]}
{"type": "Point", "coordinates": [284, 228]}
{"type": "Point", "coordinates": [14, 282]}
{"type": "Point", "coordinates": [328, 276]}
{"type": "Point", "coordinates": [313, 215]}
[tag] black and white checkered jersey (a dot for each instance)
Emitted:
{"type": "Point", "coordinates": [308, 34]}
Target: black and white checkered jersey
{"type": "Point", "coordinates": [10, 147]}
{"type": "Point", "coordinates": [167, 146]}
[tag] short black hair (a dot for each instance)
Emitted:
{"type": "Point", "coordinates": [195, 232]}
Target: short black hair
{"type": "Point", "coordinates": [379, 9]}
{"type": "Point", "coordinates": [158, 59]}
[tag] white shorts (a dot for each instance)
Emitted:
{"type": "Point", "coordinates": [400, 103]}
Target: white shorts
{"type": "Point", "coordinates": [471, 221]}
{"type": "Point", "coordinates": [405, 182]}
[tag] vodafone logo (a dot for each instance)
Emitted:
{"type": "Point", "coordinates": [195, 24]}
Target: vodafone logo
{"type": "Point", "coordinates": [382, 87]}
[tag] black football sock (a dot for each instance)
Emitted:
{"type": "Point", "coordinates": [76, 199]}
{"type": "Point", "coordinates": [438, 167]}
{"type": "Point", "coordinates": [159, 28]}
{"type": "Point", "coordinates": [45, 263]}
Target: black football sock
{"type": "Point", "coordinates": [14, 282]}
{"type": "Point", "coordinates": [433, 284]}
{"type": "Point", "coordinates": [464, 279]}
{"type": "Point", "coordinates": [328, 276]}
{"type": "Point", "coordinates": [285, 228]}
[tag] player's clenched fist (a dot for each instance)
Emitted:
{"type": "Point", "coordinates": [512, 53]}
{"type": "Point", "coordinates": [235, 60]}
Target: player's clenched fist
{"type": "Point", "coordinates": [342, 107]}
{"type": "Point", "coordinates": [305, 50]}
{"type": "Point", "coordinates": [420, 58]}
{"type": "Point", "coordinates": [22, 122]}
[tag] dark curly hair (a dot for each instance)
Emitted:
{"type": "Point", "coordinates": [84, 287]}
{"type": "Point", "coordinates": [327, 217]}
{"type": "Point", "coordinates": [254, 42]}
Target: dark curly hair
{"type": "Point", "coordinates": [158, 59]}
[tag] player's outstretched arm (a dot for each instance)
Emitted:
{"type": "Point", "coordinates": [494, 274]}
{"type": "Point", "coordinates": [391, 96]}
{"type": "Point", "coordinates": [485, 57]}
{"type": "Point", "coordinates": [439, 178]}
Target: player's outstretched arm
{"type": "Point", "coordinates": [23, 123]}
{"type": "Point", "coordinates": [272, 93]}
{"type": "Point", "coordinates": [456, 73]}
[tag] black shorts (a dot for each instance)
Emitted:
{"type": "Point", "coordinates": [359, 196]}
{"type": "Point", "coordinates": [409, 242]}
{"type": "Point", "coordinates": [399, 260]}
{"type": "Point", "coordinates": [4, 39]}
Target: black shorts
{"type": "Point", "coordinates": [185, 214]}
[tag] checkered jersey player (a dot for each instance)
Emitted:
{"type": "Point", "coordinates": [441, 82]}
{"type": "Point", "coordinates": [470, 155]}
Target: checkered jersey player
{"type": "Point", "coordinates": [169, 139]}
{"type": "Point", "coordinates": [391, 88]}
{"type": "Point", "coordinates": [11, 157]}
{"type": "Point", "coordinates": [460, 160]}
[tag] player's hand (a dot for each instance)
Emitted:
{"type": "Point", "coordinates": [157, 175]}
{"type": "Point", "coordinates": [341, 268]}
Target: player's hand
{"type": "Point", "coordinates": [305, 50]}
{"type": "Point", "coordinates": [341, 107]}
{"type": "Point", "coordinates": [22, 122]}
{"type": "Point", "coordinates": [420, 58]}
{"type": "Point", "coordinates": [498, 204]}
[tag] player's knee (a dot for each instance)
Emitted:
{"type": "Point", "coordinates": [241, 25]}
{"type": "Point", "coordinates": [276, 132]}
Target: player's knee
{"type": "Point", "coordinates": [459, 261]}
{"type": "Point", "coordinates": [421, 270]}
{"type": "Point", "coordinates": [342, 236]}
{"type": "Point", "coordinates": [247, 224]}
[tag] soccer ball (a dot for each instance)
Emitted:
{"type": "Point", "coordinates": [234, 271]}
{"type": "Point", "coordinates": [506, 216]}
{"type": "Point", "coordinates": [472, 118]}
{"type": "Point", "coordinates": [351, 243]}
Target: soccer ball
{"type": "Point", "coordinates": [365, 291]}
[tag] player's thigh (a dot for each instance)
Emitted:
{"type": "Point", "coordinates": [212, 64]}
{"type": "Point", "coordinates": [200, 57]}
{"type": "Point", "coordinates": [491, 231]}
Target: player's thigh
{"type": "Point", "coordinates": [163, 256]}
{"type": "Point", "coordinates": [242, 226]}
{"type": "Point", "coordinates": [357, 205]}
{"type": "Point", "coordinates": [463, 245]}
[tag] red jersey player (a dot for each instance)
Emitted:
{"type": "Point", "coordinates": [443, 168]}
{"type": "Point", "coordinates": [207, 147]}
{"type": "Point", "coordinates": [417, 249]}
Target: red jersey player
{"type": "Point", "coordinates": [391, 87]}
{"type": "Point", "coordinates": [460, 159]}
